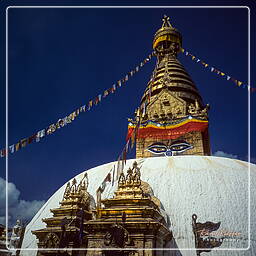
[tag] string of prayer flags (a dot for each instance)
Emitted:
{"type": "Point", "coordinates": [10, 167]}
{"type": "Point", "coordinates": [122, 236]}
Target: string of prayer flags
{"type": "Point", "coordinates": [214, 70]}
{"type": "Point", "coordinates": [71, 117]}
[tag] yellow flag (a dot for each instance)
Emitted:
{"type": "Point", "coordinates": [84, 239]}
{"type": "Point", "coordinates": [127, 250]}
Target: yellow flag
{"type": "Point", "coordinates": [239, 83]}
{"type": "Point", "coordinates": [182, 50]}
{"type": "Point", "coordinates": [193, 57]}
{"type": "Point", "coordinates": [223, 74]}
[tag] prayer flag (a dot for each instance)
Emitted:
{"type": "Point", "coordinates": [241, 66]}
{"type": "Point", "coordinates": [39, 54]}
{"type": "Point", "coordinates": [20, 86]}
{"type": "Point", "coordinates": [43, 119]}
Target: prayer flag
{"type": "Point", "coordinates": [119, 83]}
{"type": "Point", "coordinates": [39, 135]}
{"type": "Point", "coordinates": [186, 53]}
{"type": "Point", "coordinates": [11, 148]}
{"type": "Point", "coordinates": [108, 177]}
{"type": "Point", "coordinates": [212, 69]}
{"type": "Point", "coordinates": [17, 146]}
{"type": "Point", "coordinates": [84, 108]}
{"type": "Point", "coordinates": [126, 78]}
{"type": "Point", "coordinates": [99, 96]}
{"type": "Point", "coordinates": [228, 77]}
{"type": "Point", "coordinates": [193, 57]}
{"type": "Point", "coordinates": [3, 152]}
{"type": "Point", "coordinates": [31, 138]}
{"type": "Point", "coordinates": [239, 83]}
{"type": "Point", "coordinates": [67, 120]}
{"type": "Point", "coordinates": [105, 94]}
{"type": "Point", "coordinates": [23, 143]}
{"type": "Point", "coordinates": [197, 60]}
{"type": "Point", "coordinates": [137, 69]}
{"type": "Point", "coordinates": [223, 74]}
{"type": "Point", "coordinates": [60, 123]}
{"type": "Point", "coordinates": [182, 50]}
{"type": "Point", "coordinates": [73, 115]}
{"type": "Point", "coordinates": [90, 104]}
{"type": "Point", "coordinates": [205, 64]}
{"type": "Point", "coordinates": [96, 101]}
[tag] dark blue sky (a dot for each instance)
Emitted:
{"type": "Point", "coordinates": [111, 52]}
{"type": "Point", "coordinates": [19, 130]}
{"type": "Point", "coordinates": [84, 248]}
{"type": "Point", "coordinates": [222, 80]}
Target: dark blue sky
{"type": "Point", "coordinates": [59, 59]}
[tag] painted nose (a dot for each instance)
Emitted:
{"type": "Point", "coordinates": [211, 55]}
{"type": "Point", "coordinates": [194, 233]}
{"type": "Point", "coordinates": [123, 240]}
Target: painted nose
{"type": "Point", "coordinates": [168, 152]}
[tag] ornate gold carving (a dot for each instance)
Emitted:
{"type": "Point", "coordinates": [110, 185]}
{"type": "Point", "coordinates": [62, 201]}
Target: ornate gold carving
{"type": "Point", "coordinates": [51, 241]}
{"type": "Point", "coordinates": [129, 186]}
{"type": "Point", "coordinates": [77, 192]}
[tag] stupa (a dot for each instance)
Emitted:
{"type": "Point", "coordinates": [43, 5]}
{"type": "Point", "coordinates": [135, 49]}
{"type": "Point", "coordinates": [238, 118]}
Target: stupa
{"type": "Point", "coordinates": [173, 199]}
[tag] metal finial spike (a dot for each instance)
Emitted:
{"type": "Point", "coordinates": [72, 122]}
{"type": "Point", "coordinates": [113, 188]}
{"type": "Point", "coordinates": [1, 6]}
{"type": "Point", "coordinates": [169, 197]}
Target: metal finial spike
{"type": "Point", "coordinates": [166, 22]}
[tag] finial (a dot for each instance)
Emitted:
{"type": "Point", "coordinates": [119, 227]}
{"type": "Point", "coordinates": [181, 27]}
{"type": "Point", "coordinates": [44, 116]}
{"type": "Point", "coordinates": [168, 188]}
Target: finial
{"type": "Point", "coordinates": [166, 22]}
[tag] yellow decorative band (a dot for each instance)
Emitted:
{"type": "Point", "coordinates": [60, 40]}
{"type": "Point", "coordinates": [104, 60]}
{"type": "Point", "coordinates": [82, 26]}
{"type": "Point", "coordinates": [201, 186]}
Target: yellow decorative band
{"type": "Point", "coordinates": [166, 38]}
{"type": "Point", "coordinates": [150, 125]}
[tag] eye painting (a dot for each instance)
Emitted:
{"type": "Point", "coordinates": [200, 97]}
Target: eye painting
{"type": "Point", "coordinates": [159, 148]}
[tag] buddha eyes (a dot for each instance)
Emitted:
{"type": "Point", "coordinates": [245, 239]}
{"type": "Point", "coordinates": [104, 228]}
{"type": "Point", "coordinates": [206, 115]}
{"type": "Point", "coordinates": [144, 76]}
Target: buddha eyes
{"type": "Point", "coordinates": [161, 149]}
{"type": "Point", "coordinates": [180, 147]}
{"type": "Point", "coordinates": [157, 148]}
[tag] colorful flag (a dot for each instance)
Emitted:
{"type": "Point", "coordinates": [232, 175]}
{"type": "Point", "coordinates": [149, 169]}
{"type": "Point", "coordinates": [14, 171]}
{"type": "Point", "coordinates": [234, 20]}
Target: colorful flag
{"type": "Point", "coordinates": [83, 108]}
{"type": "Point", "coordinates": [137, 68]}
{"type": "Point", "coordinates": [108, 177]}
{"type": "Point", "coordinates": [11, 148]}
{"type": "Point", "coordinates": [73, 115]}
{"type": "Point", "coordinates": [204, 64]}
{"type": "Point", "coordinates": [186, 53]}
{"type": "Point", "coordinates": [23, 143]}
{"type": "Point", "coordinates": [105, 94]}
{"type": "Point", "coordinates": [90, 104]}
{"type": "Point", "coordinates": [228, 77]}
{"type": "Point", "coordinates": [212, 69]}
{"type": "Point", "coordinates": [119, 83]}
{"type": "Point", "coordinates": [223, 74]}
{"type": "Point", "coordinates": [197, 60]}
{"type": "Point", "coordinates": [51, 129]}
{"type": "Point", "coordinates": [96, 101]}
{"type": "Point", "coordinates": [31, 138]}
{"type": "Point", "coordinates": [3, 152]}
{"type": "Point", "coordinates": [67, 120]}
{"type": "Point", "coordinates": [39, 135]}
{"type": "Point", "coordinates": [239, 83]}
{"type": "Point", "coordinates": [17, 146]}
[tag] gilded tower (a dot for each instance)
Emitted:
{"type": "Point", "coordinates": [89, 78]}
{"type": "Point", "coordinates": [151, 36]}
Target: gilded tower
{"type": "Point", "coordinates": [171, 118]}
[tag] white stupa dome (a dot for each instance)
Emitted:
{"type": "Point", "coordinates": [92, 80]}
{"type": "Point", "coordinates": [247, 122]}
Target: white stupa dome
{"type": "Point", "coordinates": [215, 189]}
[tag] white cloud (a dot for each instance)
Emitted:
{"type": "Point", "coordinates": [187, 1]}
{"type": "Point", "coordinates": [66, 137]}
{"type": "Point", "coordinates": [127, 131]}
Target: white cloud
{"type": "Point", "coordinates": [18, 208]}
{"type": "Point", "coordinates": [223, 154]}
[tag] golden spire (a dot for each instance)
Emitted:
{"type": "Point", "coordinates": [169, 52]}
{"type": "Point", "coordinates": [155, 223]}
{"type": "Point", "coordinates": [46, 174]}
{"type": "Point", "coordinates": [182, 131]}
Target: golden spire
{"type": "Point", "coordinates": [167, 33]}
